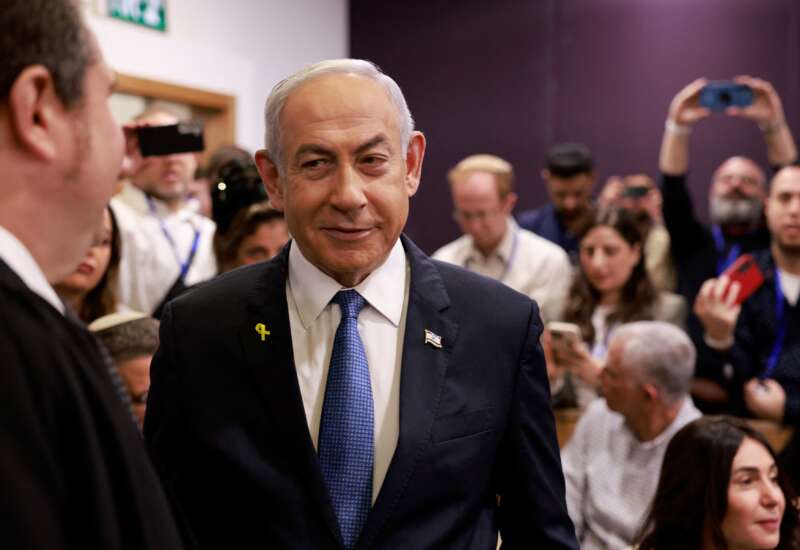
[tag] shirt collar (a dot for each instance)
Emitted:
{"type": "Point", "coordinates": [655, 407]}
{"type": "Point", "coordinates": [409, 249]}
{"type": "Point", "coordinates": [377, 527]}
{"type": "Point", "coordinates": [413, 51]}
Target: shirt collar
{"type": "Point", "coordinates": [19, 259]}
{"type": "Point", "coordinates": [503, 250]}
{"type": "Point", "coordinates": [383, 289]}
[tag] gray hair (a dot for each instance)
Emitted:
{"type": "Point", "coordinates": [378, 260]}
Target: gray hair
{"type": "Point", "coordinates": [660, 354]}
{"type": "Point", "coordinates": [280, 93]}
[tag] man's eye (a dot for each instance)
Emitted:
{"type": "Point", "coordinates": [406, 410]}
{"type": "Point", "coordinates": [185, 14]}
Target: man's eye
{"type": "Point", "coordinates": [313, 163]}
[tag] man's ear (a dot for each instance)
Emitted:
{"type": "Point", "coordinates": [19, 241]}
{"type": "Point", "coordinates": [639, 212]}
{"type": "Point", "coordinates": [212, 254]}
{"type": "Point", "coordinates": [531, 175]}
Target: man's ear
{"type": "Point", "coordinates": [650, 392]}
{"type": "Point", "coordinates": [272, 181]}
{"type": "Point", "coordinates": [509, 202]}
{"type": "Point", "coordinates": [414, 156]}
{"type": "Point", "coordinates": [36, 112]}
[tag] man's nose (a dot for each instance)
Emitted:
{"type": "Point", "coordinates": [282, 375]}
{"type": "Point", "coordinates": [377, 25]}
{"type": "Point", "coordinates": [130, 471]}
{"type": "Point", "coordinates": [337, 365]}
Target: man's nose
{"type": "Point", "coordinates": [348, 193]}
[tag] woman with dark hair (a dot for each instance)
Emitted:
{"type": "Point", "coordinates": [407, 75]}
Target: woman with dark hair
{"type": "Point", "coordinates": [90, 290]}
{"type": "Point", "coordinates": [720, 489]}
{"type": "Point", "coordinates": [256, 234]}
{"type": "Point", "coordinates": [610, 287]}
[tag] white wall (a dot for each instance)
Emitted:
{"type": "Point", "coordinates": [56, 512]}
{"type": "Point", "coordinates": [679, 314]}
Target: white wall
{"type": "Point", "coordinates": [236, 47]}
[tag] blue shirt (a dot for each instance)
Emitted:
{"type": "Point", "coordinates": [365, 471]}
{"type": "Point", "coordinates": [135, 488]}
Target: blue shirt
{"type": "Point", "coordinates": [545, 222]}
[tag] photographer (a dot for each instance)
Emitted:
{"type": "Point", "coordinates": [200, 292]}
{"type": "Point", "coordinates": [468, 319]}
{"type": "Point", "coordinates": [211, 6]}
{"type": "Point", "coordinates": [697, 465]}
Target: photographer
{"type": "Point", "coordinates": [738, 189]}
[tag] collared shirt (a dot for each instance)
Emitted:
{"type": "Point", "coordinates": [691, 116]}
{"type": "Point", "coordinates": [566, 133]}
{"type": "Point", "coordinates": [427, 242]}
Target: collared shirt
{"type": "Point", "coordinates": [526, 262]}
{"type": "Point", "coordinates": [149, 265]}
{"type": "Point", "coordinates": [19, 259]}
{"type": "Point", "coordinates": [313, 320]}
{"type": "Point", "coordinates": [611, 476]}
{"type": "Point", "coordinates": [545, 222]}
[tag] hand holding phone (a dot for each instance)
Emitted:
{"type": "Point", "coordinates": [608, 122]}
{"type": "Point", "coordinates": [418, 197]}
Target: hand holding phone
{"type": "Point", "coordinates": [746, 273]}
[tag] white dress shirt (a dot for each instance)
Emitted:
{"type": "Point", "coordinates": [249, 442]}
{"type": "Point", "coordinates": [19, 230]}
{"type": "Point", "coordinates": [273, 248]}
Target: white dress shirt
{"type": "Point", "coordinates": [611, 476]}
{"type": "Point", "coordinates": [19, 259]}
{"type": "Point", "coordinates": [149, 265]}
{"type": "Point", "coordinates": [313, 321]}
{"type": "Point", "coordinates": [524, 261]}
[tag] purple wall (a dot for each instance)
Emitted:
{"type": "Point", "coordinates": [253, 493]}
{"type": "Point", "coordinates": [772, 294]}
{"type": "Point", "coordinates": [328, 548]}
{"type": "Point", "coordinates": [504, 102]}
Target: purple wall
{"type": "Point", "coordinates": [513, 77]}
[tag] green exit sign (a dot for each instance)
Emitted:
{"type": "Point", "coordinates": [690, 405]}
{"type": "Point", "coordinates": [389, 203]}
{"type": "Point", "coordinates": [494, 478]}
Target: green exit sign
{"type": "Point", "coordinates": [148, 13]}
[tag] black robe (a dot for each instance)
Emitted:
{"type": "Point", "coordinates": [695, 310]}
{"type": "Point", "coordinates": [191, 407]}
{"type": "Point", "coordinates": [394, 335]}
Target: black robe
{"type": "Point", "coordinates": [74, 472]}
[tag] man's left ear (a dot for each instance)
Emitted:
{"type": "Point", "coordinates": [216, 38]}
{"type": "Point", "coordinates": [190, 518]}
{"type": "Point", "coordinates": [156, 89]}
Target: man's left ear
{"type": "Point", "coordinates": [509, 202]}
{"type": "Point", "coordinates": [414, 156]}
{"type": "Point", "coordinates": [650, 392]}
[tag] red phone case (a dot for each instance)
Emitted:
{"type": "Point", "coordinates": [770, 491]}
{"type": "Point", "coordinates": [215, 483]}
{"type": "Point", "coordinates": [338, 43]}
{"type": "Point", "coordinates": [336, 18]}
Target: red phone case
{"type": "Point", "coordinates": [746, 272]}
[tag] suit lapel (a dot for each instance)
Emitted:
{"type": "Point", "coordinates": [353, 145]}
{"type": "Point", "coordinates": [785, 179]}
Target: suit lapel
{"type": "Point", "coordinates": [422, 377]}
{"type": "Point", "coordinates": [270, 359]}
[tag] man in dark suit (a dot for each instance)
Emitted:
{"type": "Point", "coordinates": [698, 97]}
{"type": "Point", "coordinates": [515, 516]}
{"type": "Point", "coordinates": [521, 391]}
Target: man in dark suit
{"type": "Point", "coordinates": [74, 472]}
{"type": "Point", "coordinates": [353, 393]}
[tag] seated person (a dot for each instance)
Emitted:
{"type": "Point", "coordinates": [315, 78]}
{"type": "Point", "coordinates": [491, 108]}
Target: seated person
{"type": "Point", "coordinates": [494, 245]}
{"type": "Point", "coordinates": [720, 488]}
{"type": "Point", "coordinates": [256, 234]}
{"type": "Point", "coordinates": [132, 339]}
{"type": "Point", "coordinates": [754, 349]}
{"type": "Point", "coordinates": [612, 461]}
{"type": "Point", "coordinates": [610, 288]}
{"type": "Point", "coordinates": [569, 177]}
{"type": "Point", "coordinates": [90, 290]}
{"type": "Point", "coordinates": [639, 194]}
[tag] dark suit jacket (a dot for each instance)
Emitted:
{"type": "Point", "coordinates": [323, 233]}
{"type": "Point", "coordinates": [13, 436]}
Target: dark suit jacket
{"type": "Point", "coordinates": [74, 472]}
{"type": "Point", "coordinates": [226, 426]}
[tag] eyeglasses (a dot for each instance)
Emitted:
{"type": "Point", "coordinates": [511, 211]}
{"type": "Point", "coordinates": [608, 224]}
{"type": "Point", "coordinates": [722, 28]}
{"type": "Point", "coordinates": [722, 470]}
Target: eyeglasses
{"type": "Point", "coordinates": [478, 215]}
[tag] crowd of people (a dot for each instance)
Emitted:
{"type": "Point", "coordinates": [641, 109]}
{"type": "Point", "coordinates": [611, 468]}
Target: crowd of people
{"type": "Point", "coordinates": [203, 350]}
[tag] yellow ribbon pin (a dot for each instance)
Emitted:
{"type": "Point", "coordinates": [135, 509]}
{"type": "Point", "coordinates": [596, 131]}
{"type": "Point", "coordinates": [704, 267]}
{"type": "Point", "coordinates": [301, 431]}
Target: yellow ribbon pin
{"type": "Point", "coordinates": [261, 329]}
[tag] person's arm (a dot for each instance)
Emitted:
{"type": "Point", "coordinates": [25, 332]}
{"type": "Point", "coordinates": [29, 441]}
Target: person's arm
{"type": "Point", "coordinates": [532, 510]}
{"type": "Point", "coordinates": [679, 218]}
{"type": "Point", "coordinates": [767, 112]}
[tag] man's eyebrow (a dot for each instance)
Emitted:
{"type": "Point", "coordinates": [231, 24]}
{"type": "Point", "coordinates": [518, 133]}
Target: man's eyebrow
{"type": "Point", "coordinates": [312, 149]}
{"type": "Point", "coordinates": [380, 139]}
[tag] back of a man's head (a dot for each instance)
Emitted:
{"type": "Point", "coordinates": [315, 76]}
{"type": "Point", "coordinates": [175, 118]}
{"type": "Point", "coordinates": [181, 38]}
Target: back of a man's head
{"type": "Point", "coordinates": [660, 354]}
{"type": "Point", "coordinates": [567, 160]}
{"type": "Point", "coordinates": [50, 33]}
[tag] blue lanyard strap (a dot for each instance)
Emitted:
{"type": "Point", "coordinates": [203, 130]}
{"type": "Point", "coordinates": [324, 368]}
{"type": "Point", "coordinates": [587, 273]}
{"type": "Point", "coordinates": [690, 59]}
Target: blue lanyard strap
{"type": "Point", "coordinates": [724, 260]}
{"type": "Point", "coordinates": [184, 265]}
{"type": "Point", "coordinates": [780, 317]}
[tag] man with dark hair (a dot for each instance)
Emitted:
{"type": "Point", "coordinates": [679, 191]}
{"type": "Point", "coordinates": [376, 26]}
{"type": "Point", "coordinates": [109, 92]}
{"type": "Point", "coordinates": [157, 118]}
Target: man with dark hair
{"type": "Point", "coordinates": [569, 176]}
{"type": "Point", "coordinates": [73, 470]}
{"type": "Point", "coordinates": [351, 392]}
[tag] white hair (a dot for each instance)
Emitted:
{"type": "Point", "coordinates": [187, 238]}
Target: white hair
{"type": "Point", "coordinates": [660, 354]}
{"type": "Point", "coordinates": [280, 93]}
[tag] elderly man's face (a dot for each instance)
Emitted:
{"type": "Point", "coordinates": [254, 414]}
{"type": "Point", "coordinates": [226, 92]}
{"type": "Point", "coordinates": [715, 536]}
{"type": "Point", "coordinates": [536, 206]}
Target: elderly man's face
{"type": "Point", "coordinates": [737, 192]}
{"type": "Point", "coordinates": [347, 185]}
{"type": "Point", "coordinates": [621, 388]}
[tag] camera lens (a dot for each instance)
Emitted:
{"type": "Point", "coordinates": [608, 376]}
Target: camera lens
{"type": "Point", "coordinates": [725, 97]}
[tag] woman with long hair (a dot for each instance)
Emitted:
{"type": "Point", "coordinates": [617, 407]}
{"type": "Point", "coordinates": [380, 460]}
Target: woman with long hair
{"type": "Point", "coordinates": [90, 290]}
{"type": "Point", "coordinates": [610, 287]}
{"type": "Point", "coordinates": [720, 489]}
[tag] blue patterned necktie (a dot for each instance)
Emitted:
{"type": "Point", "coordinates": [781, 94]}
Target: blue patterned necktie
{"type": "Point", "coordinates": [346, 434]}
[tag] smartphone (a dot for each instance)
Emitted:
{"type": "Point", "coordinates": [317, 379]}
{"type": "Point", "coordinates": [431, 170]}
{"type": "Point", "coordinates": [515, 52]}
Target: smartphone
{"type": "Point", "coordinates": [563, 335]}
{"type": "Point", "coordinates": [745, 271]}
{"type": "Point", "coordinates": [636, 191]}
{"type": "Point", "coordinates": [184, 137]}
{"type": "Point", "coordinates": [722, 94]}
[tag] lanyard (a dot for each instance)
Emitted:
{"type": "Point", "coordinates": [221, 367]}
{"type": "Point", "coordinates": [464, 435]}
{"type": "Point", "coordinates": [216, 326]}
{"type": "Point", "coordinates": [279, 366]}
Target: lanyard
{"type": "Point", "coordinates": [780, 317]}
{"type": "Point", "coordinates": [719, 243]}
{"type": "Point", "coordinates": [184, 265]}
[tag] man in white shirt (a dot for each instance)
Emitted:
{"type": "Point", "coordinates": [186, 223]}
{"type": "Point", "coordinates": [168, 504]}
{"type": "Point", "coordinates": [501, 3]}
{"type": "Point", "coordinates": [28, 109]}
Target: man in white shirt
{"type": "Point", "coordinates": [494, 245]}
{"type": "Point", "coordinates": [613, 460]}
{"type": "Point", "coordinates": [73, 470]}
{"type": "Point", "coordinates": [166, 244]}
{"type": "Point", "coordinates": [352, 392]}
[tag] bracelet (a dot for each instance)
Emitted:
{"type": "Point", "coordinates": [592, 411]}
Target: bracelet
{"type": "Point", "coordinates": [771, 128]}
{"type": "Point", "coordinates": [675, 128]}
